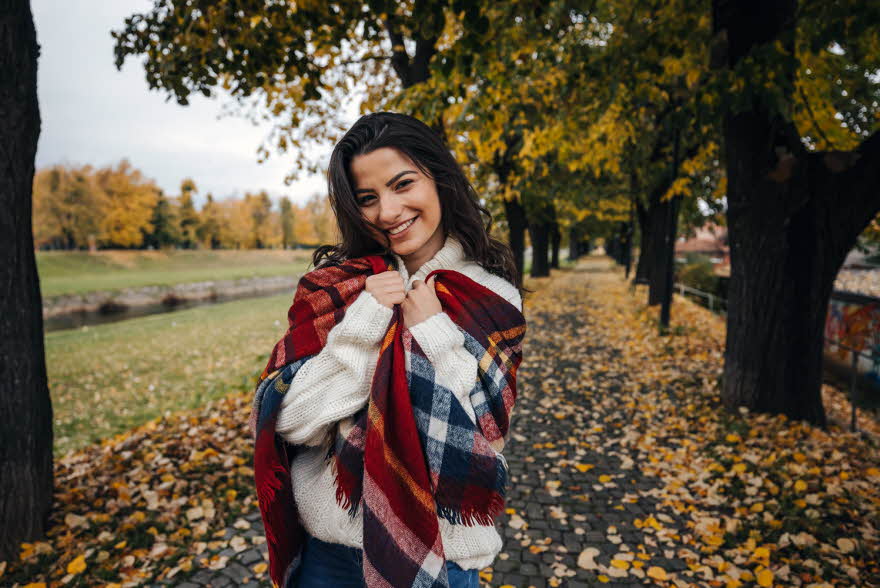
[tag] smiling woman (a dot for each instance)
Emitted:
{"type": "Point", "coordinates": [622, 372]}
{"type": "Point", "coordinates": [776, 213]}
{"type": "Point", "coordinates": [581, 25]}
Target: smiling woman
{"type": "Point", "coordinates": [394, 385]}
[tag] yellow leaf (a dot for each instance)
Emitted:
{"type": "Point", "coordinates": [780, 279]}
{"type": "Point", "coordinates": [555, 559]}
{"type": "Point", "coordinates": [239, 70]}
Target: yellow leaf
{"type": "Point", "coordinates": [762, 555]}
{"type": "Point", "coordinates": [652, 522]}
{"type": "Point", "coordinates": [35, 585]}
{"type": "Point", "coordinates": [714, 540]}
{"type": "Point", "coordinates": [800, 486]}
{"type": "Point", "coordinates": [765, 577]}
{"type": "Point", "coordinates": [656, 572]}
{"type": "Point", "coordinates": [259, 568]}
{"type": "Point", "coordinates": [604, 478]}
{"type": "Point", "coordinates": [120, 545]}
{"type": "Point", "coordinates": [584, 467]}
{"type": "Point", "coordinates": [77, 566]}
{"type": "Point", "coordinates": [620, 564]}
{"type": "Point", "coordinates": [603, 578]}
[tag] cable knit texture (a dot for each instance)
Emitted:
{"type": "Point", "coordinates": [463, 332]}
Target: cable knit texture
{"type": "Point", "coordinates": [335, 384]}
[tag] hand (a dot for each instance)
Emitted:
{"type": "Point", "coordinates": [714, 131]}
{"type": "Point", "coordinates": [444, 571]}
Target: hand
{"type": "Point", "coordinates": [386, 287]}
{"type": "Point", "coordinates": [421, 302]}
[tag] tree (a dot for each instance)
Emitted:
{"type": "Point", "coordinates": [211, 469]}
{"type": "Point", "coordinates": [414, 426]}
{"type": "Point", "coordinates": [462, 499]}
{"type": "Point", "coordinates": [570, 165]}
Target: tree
{"type": "Point", "coordinates": [128, 205]}
{"type": "Point", "coordinates": [165, 229]}
{"type": "Point", "coordinates": [322, 219]}
{"type": "Point", "coordinates": [286, 211]}
{"type": "Point", "coordinates": [68, 206]}
{"type": "Point", "coordinates": [260, 208]}
{"type": "Point", "coordinates": [802, 183]}
{"type": "Point", "coordinates": [187, 217]}
{"type": "Point", "coordinates": [209, 229]}
{"type": "Point", "coordinates": [26, 436]}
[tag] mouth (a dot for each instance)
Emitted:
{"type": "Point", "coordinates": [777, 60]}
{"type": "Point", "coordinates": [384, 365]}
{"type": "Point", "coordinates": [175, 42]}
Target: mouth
{"type": "Point", "coordinates": [402, 228]}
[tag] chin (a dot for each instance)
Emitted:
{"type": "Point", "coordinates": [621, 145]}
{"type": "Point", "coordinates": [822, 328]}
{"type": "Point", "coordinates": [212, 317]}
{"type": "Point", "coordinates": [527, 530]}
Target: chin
{"type": "Point", "coordinates": [406, 248]}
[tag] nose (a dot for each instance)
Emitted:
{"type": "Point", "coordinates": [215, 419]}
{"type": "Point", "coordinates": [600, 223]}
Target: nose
{"type": "Point", "coordinates": [390, 210]}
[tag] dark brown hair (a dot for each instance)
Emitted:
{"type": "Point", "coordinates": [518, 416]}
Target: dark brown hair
{"type": "Point", "coordinates": [460, 207]}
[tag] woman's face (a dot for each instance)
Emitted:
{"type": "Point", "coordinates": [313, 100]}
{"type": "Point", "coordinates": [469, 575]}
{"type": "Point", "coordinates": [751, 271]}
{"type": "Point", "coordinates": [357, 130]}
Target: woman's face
{"type": "Point", "coordinates": [393, 194]}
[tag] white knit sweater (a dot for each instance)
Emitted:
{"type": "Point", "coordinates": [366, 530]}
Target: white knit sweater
{"type": "Point", "coordinates": [335, 384]}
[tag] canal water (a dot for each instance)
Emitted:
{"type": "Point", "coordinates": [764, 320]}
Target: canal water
{"type": "Point", "coordinates": [78, 319]}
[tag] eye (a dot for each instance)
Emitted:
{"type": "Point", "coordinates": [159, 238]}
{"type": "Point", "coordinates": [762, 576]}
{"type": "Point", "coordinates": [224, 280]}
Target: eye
{"type": "Point", "coordinates": [365, 200]}
{"type": "Point", "coordinates": [403, 183]}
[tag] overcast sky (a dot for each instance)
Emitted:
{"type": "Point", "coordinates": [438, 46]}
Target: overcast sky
{"type": "Point", "coordinates": [92, 113]}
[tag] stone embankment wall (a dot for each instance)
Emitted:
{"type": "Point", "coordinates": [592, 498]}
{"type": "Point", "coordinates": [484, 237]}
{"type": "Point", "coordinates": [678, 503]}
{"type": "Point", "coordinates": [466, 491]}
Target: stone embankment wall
{"type": "Point", "coordinates": [150, 295]}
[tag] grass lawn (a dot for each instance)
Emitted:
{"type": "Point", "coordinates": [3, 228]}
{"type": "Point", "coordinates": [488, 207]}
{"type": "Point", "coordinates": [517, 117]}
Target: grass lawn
{"type": "Point", "coordinates": [111, 378]}
{"type": "Point", "coordinates": [78, 272]}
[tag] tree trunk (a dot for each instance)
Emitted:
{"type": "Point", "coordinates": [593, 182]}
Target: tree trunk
{"type": "Point", "coordinates": [555, 240]}
{"type": "Point", "coordinates": [574, 243]}
{"type": "Point", "coordinates": [539, 234]}
{"type": "Point", "coordinates": [668, 278]}
{"type": "Point", "coordinates": [516, 224]}
{"type": "Point", "coordinates": [25, 405]}
{"type": "Point", "coordinates": [656, 246]}
{"type": "Point", "coordinates": [672, 208]}
{"type": "Point", "coordinates": [611, 243]}
{"type": "Point", "coordinates": [792, 218]}
{"type": "Point", "coordinates": [644, 238]}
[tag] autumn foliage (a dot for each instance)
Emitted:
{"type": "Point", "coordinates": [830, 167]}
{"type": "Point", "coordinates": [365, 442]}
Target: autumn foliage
{"type": "Point", "coordinates": [118, 207]}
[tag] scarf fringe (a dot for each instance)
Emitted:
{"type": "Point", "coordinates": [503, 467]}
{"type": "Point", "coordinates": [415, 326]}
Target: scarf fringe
{"type": "Point", "coordinates": [344, 486]}
{"type": "Point", "coordinates": [473, 515]}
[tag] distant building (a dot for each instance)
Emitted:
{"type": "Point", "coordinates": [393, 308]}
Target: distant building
{"type": "Point", "coordinates": [709, 240]}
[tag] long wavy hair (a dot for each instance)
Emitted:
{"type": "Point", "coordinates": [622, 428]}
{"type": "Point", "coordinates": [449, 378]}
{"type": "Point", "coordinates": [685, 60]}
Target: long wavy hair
{"type": "Point", "coordinates": [462, 215]}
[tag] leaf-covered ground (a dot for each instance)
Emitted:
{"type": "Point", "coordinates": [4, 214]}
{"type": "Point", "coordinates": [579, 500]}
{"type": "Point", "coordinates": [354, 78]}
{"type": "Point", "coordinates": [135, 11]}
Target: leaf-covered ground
{"type": "Point", "coordinates": [625, 470]}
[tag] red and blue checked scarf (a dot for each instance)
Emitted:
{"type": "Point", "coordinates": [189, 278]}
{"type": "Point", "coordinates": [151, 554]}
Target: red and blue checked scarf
{"type": "Point", "coordinates": [382, 463]}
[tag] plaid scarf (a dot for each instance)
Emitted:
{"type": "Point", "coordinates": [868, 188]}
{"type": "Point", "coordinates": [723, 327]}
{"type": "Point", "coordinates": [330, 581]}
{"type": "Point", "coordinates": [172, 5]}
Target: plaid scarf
{"type": "Point", "coordinates": [414, 453]}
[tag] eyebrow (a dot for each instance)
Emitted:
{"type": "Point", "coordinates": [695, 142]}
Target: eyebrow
{"type": "Point", "coordinates": [389, 182]}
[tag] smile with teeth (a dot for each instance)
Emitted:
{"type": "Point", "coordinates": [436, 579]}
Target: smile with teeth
{"type": "Point", "coordinates": [403, 227]}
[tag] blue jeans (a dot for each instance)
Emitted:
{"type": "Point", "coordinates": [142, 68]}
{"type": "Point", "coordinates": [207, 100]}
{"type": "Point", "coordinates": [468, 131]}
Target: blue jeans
{"type": "Point", "coordinates": [333, 565]}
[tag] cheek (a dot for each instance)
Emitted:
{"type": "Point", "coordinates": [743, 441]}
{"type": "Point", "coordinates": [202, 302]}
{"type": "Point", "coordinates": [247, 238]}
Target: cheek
{"type": "Point", "coordinates": [431, 204]}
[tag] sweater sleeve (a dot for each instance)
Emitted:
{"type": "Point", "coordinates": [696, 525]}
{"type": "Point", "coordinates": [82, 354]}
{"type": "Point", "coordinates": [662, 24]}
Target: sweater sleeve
{"type": "Point", "coordinates": [335, 383]}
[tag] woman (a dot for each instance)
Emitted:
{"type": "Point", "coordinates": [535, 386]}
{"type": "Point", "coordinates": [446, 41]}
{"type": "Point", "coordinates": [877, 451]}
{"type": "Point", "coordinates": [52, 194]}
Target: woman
{"type": "Point", "coordinates": [398, 196]}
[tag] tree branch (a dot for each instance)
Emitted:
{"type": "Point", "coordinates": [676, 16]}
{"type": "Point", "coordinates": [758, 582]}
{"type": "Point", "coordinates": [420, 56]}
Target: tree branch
{"type": "Point", "coordinates": [849, 183]}
{"type": "Point", "coordinates": [399, 56]}
{"type": "Point", "coordinates": [813, 118]}
{"type": "Point", "coordinates": [364, 59]}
